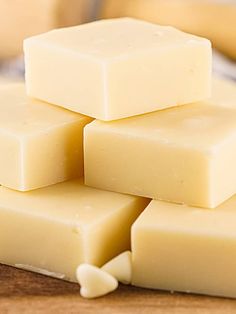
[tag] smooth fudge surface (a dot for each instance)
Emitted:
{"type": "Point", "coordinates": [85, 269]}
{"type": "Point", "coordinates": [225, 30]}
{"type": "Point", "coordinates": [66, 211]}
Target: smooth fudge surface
{"type": "Point", "coordinates": [40, 144]}
{"type": "Point", "coordinates": [54, 229]}
{"type": "Point", "coordinates": [214, 20]}
{"type": "Point", "coordinates": [189, 249]}
{"type": "Point", "coordinates": [117, 68]}
{"type": "Point", "coordinates": [184, 155]}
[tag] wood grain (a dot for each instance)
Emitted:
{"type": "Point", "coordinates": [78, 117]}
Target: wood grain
{"type": "Point", "coordinates": [22, 292]}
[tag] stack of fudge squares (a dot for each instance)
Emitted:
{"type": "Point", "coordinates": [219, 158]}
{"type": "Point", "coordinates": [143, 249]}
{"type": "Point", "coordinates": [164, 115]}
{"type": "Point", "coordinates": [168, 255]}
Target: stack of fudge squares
{"type": "Point", "coordinates": [118, 145]}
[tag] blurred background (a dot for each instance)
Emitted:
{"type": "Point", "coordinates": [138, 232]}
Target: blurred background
{"type": "Point", "coordinates": [214, 19]}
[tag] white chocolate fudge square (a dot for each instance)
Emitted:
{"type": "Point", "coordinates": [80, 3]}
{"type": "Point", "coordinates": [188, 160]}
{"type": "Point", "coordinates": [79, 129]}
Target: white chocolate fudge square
{"type": "Point", "coordinates": [117, 68]}
{"type": "Point", "coordinates": [184, 155]}
{"type": "Point", "coordinates": [54, 229]}
{"type": "Point", "coordinates": [181, 248]}
{"type": "Point", "coordinates": [40, 144]}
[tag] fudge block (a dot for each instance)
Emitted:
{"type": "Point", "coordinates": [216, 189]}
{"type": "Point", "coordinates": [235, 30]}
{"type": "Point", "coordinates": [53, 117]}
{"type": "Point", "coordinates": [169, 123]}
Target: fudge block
{"type": "Point", "coordinates": [54, 229]}
{"type": "Point", "coordinates": [40, 144]}
{"type": "Point", "coordinates": [184, 155]}
{"type": "Point", "coordinates": [181, 248]}
{"type": "Point", "coordinates": [118, 68]}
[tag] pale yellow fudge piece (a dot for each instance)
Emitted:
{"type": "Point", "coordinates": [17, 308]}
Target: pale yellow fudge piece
{"type": "Point", "coordinates": [40, 144]}
{"type": "Point", "coordinates": [223, 92]}
{"type": "Point", "coordinates": [213, 19]}
{"type": "Point", "coordinates": [181, 248]}
{"type": "Point", "coordinates": [24, 18]}
{"type": "Point", "coordinates": [184, 155]}
{"type": "Point", "coordinates": [54, 229]}
{"type": "Point", "coordinates": [120, 267]}
{"type": "Point", "coordinates": [94, 281]}
{"type": "Point", "coordinates": [112, 69]}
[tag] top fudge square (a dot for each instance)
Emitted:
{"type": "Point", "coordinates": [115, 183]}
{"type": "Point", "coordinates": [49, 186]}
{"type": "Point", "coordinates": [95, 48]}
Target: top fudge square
{"type": "Point", "coordinates": [112, 69]}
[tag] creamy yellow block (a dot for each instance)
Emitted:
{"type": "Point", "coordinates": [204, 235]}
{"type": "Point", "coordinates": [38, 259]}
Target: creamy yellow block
{"type": "Point", "coordinates": [181, 248]}
{"type": "Point", "coordinates": [54, 229]}
{"type": "Point", "coordinates": [213, 19]}
{"type": "Point", "coordinates": [24, 18]}
{"type": "Point", "coordinates": [118, 68]}
{"type": "Point", "coordinates": [40, 144]}
{"type": "Point", "coordinates": [184, 155]}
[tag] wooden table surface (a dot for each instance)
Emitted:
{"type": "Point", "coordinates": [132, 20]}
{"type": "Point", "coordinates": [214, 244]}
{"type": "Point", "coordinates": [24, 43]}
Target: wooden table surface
{"type": "Point", "coordinates": [24, 292]}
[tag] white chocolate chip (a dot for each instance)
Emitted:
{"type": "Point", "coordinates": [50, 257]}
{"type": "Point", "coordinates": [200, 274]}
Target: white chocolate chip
{"type": "Point", "coordinates": [94, 282]}
{"type": "Point", "coordinates": [120, 267]}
